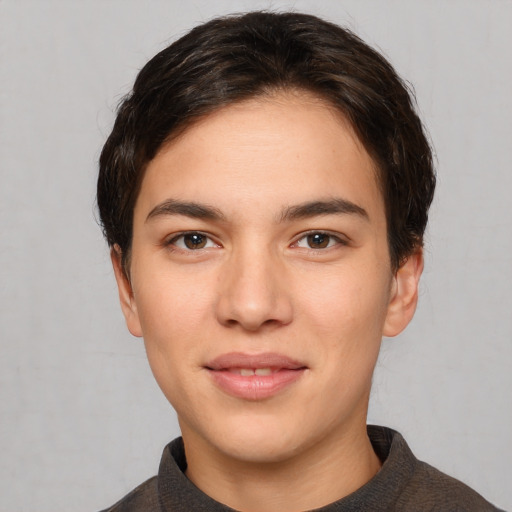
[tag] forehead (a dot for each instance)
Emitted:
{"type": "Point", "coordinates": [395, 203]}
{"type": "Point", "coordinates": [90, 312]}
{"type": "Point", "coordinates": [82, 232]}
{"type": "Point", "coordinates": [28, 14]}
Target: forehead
{"type": "Point", "coordinates": [283, 149]}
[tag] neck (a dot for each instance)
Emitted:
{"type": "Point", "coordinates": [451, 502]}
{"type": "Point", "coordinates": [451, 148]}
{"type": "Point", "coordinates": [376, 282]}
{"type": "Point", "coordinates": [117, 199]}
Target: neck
{"type": "Point", "coordinates": [322, 474]}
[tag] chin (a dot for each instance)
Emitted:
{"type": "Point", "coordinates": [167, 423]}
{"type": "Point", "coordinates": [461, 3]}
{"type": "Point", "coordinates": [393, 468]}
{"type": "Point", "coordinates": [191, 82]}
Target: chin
{"type": "Point", "coordinates": [267, 449]}
{"type": "Point", "coordinates": [268, 439]}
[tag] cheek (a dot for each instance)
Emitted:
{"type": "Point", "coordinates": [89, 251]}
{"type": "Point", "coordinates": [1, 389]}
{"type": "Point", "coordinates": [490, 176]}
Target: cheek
{"type": "Point", "coordinates": [347, 315]}
{"type": "Point", "coordinates": [346, 303]}
{"type": "Point", "coordinates": [171, 321]}
{"type": "Point", "coordinates": [171, 301]}
{"type": "Point", "coordinates": [173, 310]}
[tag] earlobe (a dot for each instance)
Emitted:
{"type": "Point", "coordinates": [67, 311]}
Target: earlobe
{"type": "Point", "coordinates": [404, 295]}
{"type": "Point", "coordinates": [126, 298]}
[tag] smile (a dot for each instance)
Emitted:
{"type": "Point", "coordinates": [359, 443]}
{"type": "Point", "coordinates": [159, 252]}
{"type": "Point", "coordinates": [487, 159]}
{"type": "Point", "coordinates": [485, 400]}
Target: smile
{"type": "Point", "coordinates": [254, 377]}
{"type": "Point", "coordinates": [248, 372]}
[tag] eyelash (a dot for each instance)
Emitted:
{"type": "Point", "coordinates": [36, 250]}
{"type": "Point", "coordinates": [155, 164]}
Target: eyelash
{"type": "Point", "coordinates": [332, 238]}
{"type": "Point", "coordinates": [171, 243]}
{"type": "Point", "coordinates": [304, 236]}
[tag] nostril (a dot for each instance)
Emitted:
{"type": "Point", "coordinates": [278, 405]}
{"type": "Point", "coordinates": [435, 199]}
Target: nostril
{"type": "Point", "coordinates": [253, 324]}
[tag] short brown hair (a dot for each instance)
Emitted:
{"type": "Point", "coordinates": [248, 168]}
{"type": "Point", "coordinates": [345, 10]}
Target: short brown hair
{"type": "Point", "coordinates": [234, 58]}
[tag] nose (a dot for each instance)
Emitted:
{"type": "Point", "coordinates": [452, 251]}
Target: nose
{"type": "Point", "coordinates": [253, 294]}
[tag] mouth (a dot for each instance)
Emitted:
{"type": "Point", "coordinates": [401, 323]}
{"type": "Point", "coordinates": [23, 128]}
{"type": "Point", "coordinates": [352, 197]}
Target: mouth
{"type": "Point", "coordinates": [254, 377]}
{"type": "Point", "coordinates": [249, 372]}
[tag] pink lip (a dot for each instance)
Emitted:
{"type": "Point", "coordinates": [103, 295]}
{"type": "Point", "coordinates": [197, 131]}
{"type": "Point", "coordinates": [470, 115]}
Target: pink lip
{"type": "Point", "coordinates": [224, 371]}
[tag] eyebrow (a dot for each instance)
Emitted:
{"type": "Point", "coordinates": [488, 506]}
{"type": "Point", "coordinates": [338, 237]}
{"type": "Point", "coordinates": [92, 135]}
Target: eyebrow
{"type": "Point", "coordinates": [335, 206]}
{"type": "Point", "coordinates": [187, 209]}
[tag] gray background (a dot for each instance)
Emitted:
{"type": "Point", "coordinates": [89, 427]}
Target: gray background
{"type": "Point", "coordinates": [82, 421]}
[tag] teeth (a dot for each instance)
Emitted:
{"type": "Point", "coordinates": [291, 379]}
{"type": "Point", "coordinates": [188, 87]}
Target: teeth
{"type": "Point", "coordinates": [249, 372]}
{"type": "Point", "coordinates": [263, 371]}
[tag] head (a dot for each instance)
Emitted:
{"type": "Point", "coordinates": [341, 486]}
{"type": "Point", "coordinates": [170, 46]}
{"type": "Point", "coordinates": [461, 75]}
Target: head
{"type": "Point", "coordinates": [229, 60]}
{"type": "Point", "coordinates": [265, 192]}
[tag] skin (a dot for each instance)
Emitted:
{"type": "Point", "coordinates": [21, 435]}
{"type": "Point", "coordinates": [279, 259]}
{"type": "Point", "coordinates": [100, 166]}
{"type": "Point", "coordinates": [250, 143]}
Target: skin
{"type": "Point", "coordinates": [261, 285]}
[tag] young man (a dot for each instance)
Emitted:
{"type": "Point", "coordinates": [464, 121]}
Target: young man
{"type": "Point", "coordinates": [265, 191]}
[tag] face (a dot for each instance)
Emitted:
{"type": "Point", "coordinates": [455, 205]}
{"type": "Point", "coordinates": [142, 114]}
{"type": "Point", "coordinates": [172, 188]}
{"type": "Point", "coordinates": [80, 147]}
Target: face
{"type": "Point", "coordinates": [260, 278]}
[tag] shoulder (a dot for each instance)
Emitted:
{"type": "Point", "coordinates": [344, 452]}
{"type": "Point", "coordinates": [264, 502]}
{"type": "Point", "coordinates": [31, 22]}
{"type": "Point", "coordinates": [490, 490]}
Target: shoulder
{"type": "Point", "coordinates": [143, 498]}
{"type": "Point", "coordinates": [405, 483]}
{"type": "Point", "coordinates": [155, 494]}
{"type": "Point", "coordinates": [431, 489]}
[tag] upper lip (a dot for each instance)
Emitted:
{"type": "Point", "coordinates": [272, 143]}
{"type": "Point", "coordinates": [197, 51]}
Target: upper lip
{"type": "Point", "coordinates": [254, 361]}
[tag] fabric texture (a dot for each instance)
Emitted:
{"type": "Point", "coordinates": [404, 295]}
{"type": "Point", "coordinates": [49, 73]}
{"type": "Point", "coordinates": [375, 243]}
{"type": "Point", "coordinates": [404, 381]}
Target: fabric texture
{"type": "Point", "coordinates": [403, 484]}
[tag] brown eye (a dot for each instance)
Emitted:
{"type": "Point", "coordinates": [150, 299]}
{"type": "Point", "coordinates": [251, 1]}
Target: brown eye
{"type": "Point", "coordinates": [192, 241]}
{"type": "Point", "coordinates": [195, 241]}
{"type": "Point", "coordinates": [318, 240]}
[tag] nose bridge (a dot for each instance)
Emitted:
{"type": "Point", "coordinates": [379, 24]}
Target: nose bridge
{"type": "Point", "coordinates": [252, 291]}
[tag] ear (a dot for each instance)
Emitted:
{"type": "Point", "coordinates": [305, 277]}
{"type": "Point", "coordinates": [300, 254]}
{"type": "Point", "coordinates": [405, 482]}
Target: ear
{"type": "Point", "coordinates": [126, 297]}
{"type": "Point", "coordinates": [404, 295]}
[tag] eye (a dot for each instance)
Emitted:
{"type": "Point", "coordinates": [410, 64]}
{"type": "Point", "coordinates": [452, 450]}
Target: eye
{"type": "Point", "coordinates": [318, 240]}
{"type": "Point", "coordinates": [192, 241]}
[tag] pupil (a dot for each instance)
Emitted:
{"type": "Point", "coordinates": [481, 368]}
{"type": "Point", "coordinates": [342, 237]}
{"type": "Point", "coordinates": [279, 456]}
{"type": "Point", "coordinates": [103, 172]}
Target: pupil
{"type": "Point", "coordinates": [195, 241]}
{"type": "Point", "coordinates": [318, 240]}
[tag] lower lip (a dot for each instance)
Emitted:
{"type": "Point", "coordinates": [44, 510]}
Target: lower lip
{"type": "Point", "coordinates": [255, 387]}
